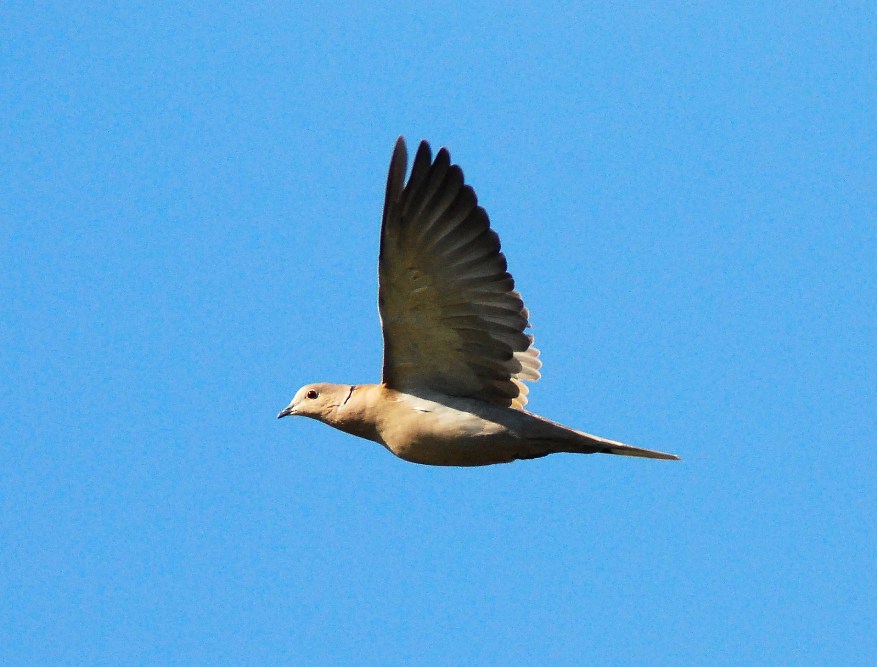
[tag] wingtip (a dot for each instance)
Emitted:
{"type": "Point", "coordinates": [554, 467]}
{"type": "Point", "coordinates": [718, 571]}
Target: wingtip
{"type": "Point", "coordinates": [400, 157]}
{"type": "Point", "coordinates": [422, 161]}
{"type": "Point", "coordinates": [396, 175]}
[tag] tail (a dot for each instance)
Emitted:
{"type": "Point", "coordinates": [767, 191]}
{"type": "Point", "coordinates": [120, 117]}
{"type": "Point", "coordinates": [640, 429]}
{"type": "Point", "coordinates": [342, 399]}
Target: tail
{"type": "Point", "coordinates": [585, 443]}
{"type": "Point", "coordinates": [561, 438]}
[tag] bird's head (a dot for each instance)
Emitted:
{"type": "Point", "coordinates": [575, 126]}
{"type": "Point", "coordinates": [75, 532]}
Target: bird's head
{"type": "Point", "coordinates": [316, 401]}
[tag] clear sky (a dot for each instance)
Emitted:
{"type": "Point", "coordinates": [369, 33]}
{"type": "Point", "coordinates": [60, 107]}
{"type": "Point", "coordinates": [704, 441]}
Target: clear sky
{"type": "Point", "coordinates": [190, 204]}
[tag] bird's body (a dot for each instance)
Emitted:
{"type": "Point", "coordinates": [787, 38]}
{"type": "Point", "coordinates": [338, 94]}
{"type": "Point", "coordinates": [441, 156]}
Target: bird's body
{"type": "Point", "coordinates": [436, 429]}
{"type": "Point", "coordinates": [455, 353]}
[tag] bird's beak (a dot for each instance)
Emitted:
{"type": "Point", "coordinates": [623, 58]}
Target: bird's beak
{"type": "Point", "coordinates": [285, 412]}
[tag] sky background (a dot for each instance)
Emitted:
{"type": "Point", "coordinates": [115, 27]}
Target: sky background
{"type": "Point", "coordinates": [190, 205]}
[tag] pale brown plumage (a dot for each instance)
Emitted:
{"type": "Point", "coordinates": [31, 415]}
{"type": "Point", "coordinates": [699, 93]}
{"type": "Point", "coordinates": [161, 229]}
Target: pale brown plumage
{"type": "Point", "coordinates": [455, 352]}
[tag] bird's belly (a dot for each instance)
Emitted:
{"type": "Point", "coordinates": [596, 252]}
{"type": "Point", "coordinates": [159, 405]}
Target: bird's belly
{"type": "Point", "coordinates": [436, 434]}
{"type": "Point", "coordinates": [456, 453]}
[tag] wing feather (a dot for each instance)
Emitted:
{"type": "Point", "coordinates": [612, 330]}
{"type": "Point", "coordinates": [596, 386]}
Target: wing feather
{"type": "Point", "coordinates": [451, 319]}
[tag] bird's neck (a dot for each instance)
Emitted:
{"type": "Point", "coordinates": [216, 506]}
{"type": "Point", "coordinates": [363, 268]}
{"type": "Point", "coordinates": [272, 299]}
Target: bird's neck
{"type": "Point", "coordinates": [356, 414]}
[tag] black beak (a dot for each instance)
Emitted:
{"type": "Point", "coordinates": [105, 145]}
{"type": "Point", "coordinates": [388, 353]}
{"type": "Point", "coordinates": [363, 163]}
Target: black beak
{"type": "Point", "coordinates": [285, 412]}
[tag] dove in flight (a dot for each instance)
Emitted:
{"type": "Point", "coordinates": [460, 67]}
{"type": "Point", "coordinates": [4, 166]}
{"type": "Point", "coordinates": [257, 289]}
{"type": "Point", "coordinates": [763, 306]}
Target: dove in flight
{"type": "Point", "coordinates": [455, 353]}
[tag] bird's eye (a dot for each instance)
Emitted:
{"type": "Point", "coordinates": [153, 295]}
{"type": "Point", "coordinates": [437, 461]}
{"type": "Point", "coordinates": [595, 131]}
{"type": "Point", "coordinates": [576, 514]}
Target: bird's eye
{"type": "Point", "coordinates": [312, 394]}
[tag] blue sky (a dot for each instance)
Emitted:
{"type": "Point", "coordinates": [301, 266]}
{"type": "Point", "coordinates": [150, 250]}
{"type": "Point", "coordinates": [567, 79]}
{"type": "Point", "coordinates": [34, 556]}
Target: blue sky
{"type": "Point", "coordinates": [189, 218]}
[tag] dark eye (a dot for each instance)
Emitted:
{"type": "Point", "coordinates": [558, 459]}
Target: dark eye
{"type": "Point", "coordinates": [312, 394]}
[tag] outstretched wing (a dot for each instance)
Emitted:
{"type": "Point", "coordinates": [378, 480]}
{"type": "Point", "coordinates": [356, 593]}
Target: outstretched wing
{"type": "Point", "coordinates": [451, 319]}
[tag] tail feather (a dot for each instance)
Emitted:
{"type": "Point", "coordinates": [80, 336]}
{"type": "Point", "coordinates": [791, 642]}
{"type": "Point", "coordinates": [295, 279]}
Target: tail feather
{"type": "Point", "coordinates": [560, 438]}
{"type": "Point", "coordinates": [593, 443]}
{"type": "Point", "coordinates": [546, 437]}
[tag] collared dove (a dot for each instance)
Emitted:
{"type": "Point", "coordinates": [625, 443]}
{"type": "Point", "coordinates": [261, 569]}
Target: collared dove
{"type": "Point", "coordinates": [455, 352]}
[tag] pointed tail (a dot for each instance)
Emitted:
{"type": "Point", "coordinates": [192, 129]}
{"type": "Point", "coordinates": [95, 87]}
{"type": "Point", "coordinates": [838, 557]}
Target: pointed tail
{"type": "Point", "coordinates": [594, 444]}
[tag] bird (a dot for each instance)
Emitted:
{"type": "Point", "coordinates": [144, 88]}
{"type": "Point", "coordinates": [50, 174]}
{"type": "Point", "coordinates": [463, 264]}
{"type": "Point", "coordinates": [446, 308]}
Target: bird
{"type": "Point", "coordinates": [456, 354]}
